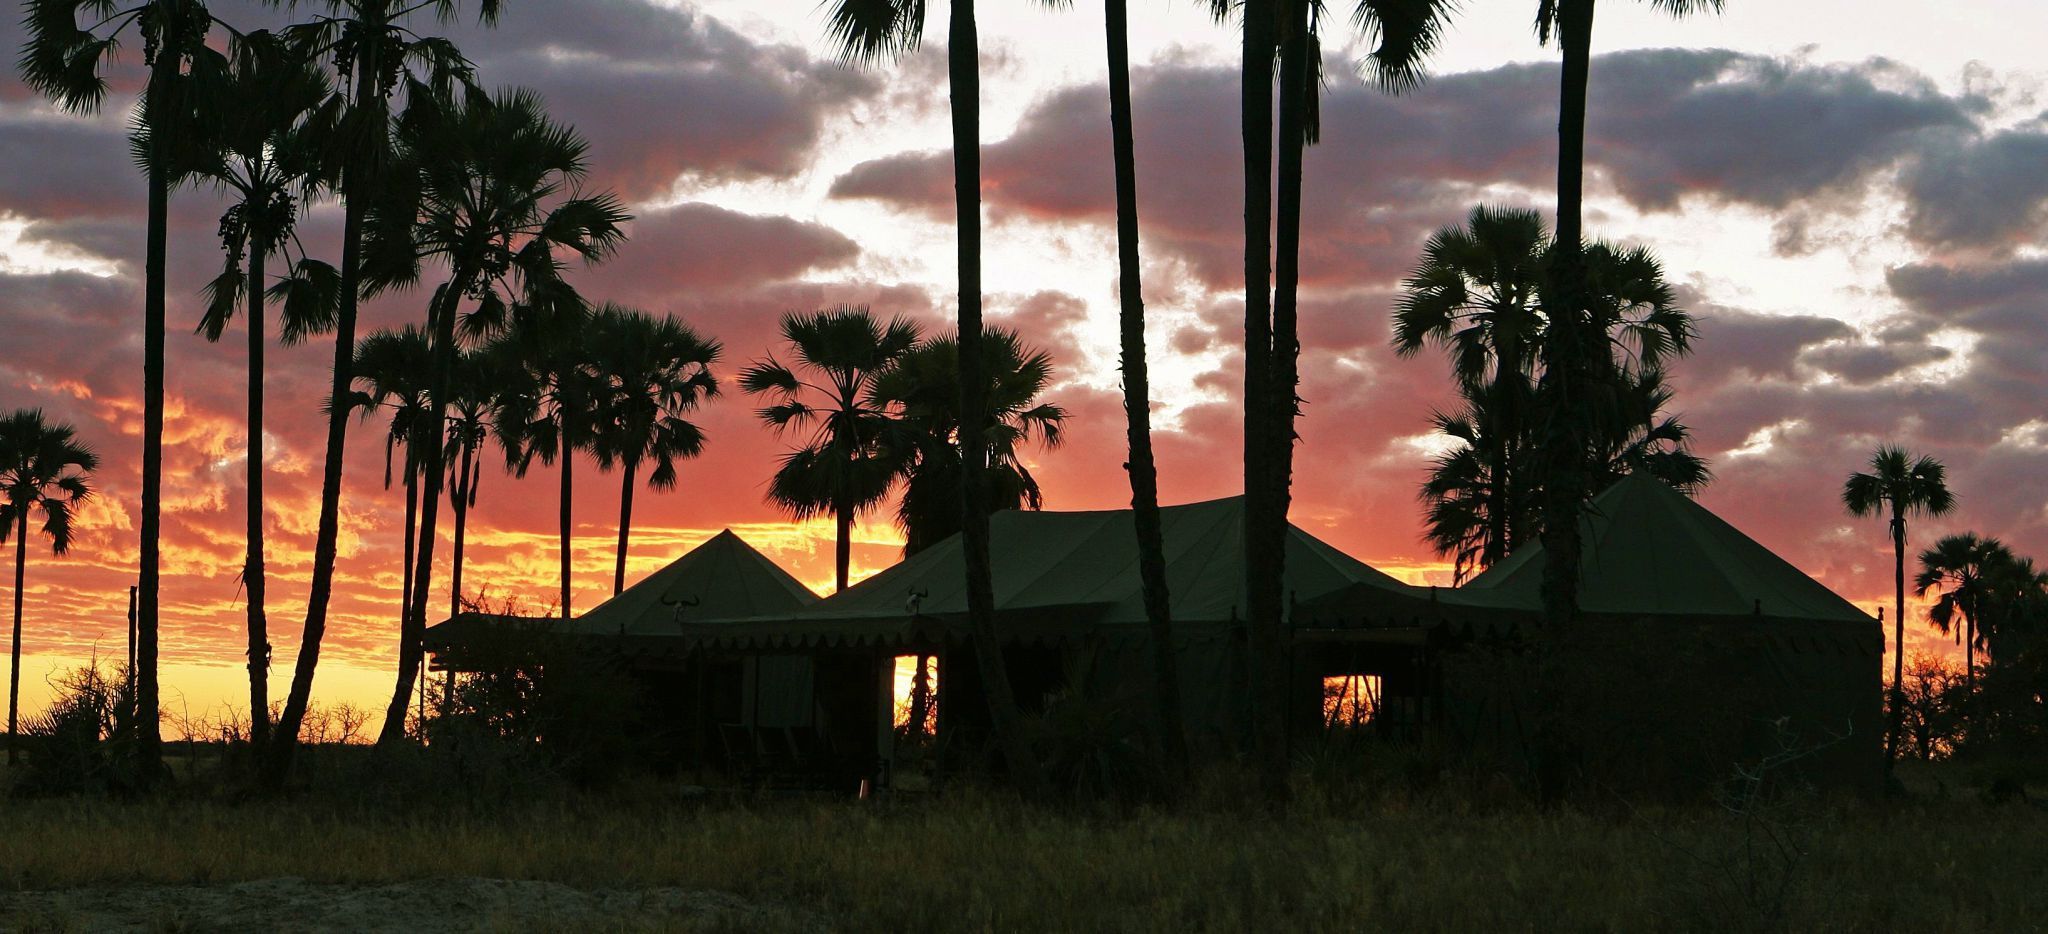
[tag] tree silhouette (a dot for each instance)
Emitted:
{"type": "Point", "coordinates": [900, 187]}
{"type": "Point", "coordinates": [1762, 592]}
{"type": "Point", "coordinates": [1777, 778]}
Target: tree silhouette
{"type": "Point", "coordinates": [1573, 370]}
{"type": "Point", "coordinates": [473, 396]}
{"type": "Point", "coordinates": [392, 367]}
{"type": "Point", "coordinates": [260, 124]}
{"type": "Point", "coordinates": [1479, 292]}
{"type": "Point", "coordinates": [655, 372]}
{"type": "Point", "coordinates": [1903, 485]}
{"type": "Point", "coordinates": [923, 387]}
{"type": "Point", "coordinates": [488, 187]}
{"type": "Point", "coordinates": [64, 61]}
{"type": "Point", "coordinates": [43, 469]}
{"type": "Point", "coordinates": [841, 466]}
{"type": "Point", "coordinates": [1967, 568]}
{"type": "Point", "coordinates": [545, 406]}
{"type": "Point", "coordinates": [869, 30]}
{"type": "Point", "coordinates": [377, 61]}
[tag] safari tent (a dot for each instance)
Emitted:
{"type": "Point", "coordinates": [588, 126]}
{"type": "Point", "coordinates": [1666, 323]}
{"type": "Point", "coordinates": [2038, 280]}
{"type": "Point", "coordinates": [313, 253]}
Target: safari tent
{"type": "Point", "coordinates": [1696, 642]}
{"type": "Point", "coordinates": [1069, 607]}
{"type": "Point", "coordinates": [718, 706]}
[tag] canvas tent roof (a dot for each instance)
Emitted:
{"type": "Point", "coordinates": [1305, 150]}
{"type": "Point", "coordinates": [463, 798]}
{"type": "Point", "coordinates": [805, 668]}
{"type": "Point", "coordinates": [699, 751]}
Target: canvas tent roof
{"type": "Point", "coordinates": [724, 578]}
{"type": "Point", "coordinates": [1650, 550]}
{"type": "Point", "coordinates": [1059, 572]}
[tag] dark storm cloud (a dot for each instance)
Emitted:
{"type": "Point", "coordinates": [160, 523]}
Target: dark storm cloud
{"type": "Point", "coordinates": [1979, 192]}
{"type": "Point", "coordinates": [1735, 344]}
{"type": "Point", "coordinates": [666, 93]}
{"type": "Point", "coordinates": [696, 247]}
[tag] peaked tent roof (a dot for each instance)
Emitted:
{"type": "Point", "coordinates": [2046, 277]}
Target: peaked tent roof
{"type": "Point", "coordinates": [723, 578]}
{"type": "Point", "coordinates": [1651, 550]}
{"type": "Point", "coordinates": [1060, 569]}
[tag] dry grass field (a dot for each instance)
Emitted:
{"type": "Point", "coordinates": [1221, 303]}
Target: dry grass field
{"type": "Point", "coordinates": [656, 857]}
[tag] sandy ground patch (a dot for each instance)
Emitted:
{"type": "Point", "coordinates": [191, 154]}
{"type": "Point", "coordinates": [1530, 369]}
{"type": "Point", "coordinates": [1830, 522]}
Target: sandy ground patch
{"type": "Point", "coordinates": [291, 904]}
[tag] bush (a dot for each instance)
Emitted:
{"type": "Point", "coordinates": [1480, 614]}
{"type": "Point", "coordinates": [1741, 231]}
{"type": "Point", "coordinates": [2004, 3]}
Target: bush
{"type": "Point", "coordinates": [84, 743]}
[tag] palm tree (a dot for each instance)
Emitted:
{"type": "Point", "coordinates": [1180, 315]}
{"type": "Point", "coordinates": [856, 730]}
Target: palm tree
{"type": "Point", "coordinates": [392, 367]}
{"type": "Point", "coordinates": [1480, 293]}
{"type": "Point", "coordinates": [43, 468]}
{"type": "Point", "coordinates": [1571, 373]}
{"type": "Point", "coordinates": [923, 387]}
{"type": "Point", "coordinates": [475, 394]}
{"type": "Point", "coordinates": [1406, 31]}
{"type": "Point", "coordinates": [492, 194]}
{"type": "Point", "coordinates": [259, 154]}
{"type": "Point", "coordinates": [1467, 503]}
{"type": "Point", "coordinates": [378, 60]}
{"type": "Point", "coordinates": [545, 406]}
{"type": "Point", "coordinates": [657, 372]}
{"type": "Point", "coordinates": [1475, 294]}
{"type": "Point", "coordinates": [842, 467]}
{"type": "Point", "coordinates": [868, 30]}
{"type": "Point", "coordinates": [1904, 485]}
{"type": "Point", "coordinates": [1970, 568]}
{"type": "Point", "coordinates": [63, 60]}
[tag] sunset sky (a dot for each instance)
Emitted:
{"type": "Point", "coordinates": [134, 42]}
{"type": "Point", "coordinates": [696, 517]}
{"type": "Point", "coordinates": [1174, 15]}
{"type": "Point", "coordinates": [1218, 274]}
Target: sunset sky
{"type": "Point", "coordinates": [1850, 195]}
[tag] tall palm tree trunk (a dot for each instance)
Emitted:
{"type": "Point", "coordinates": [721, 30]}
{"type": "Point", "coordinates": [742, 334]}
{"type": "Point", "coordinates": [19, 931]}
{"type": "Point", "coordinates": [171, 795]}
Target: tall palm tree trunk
{"type": "Point", "coordinates": [842, 549]}
{"type": "Point", "coordinates": [1891, 743]}
{"type": "Point", "coordinates": [1144, 472]}
{"type": "Point", "coordinates": [625, 527]}
{"type": "Point", "coordinates": [568, 529]}
{"type": "Point", "coordinates": [163, 76]}
{"type": "Point", "coordinates": [1266, 602]}
{"type": "Point", "coordinates": [252, 568]}
{"type": "Point", "coordinates": [412, 514]}
{"type": "Point", "coordinates": [413, 624]}
{"type": "Point", "coordinates": [1565, 482]}
{"type": "Point", "coordinates": [14, 662]}
{"type": "Point", "coordinates": [963, 69]}
{"type": "Point", "coordinates": [1261, 565]}
{"type": "Point", "coordinates": [327, 535]}
{"type": "Point", "coordinates": [461, 505]}
{"type": "Point", "coordinates": [1970, 649]}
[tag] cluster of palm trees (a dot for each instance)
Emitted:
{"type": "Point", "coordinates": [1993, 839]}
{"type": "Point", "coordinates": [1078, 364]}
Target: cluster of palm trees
{"type": "Point", "coordinates": [483, 193]}
{"type": "Point", "coordinates": [1481, 293]}
{"type": "Point", "coordinates": [352, 104]}
{"type": "Point", "coordinates": [1989, 599]}
{"type": "Point", "coordinates": [614, 383]}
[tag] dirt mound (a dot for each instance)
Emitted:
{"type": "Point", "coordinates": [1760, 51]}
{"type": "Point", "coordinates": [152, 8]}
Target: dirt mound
{"type": "Point", "coordinates": [291, 904]}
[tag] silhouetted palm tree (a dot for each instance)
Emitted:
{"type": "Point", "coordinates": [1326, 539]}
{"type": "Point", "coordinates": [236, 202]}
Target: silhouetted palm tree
{"type": "Point", "coordinates": [378, 61]}
{"type": "Point", "coordinates": [63, 60]}
{"type": "Point", "coordinates": [545, 405]}
{"type": "Point", "coordinates": [1462, 494]}
{"type": "Point", "coordinates": [1475, 293]}
{"type": "Point", "coordinates": [869, 30]}
{"type": "Point", "coordinates": [1572, 373]}
{"type": "Point", "coordinates": [45, 469]}
{"type": "Point", "coordinates": [923, 386]}
{"type": "Point", "coordinates": [493, 195]}
{"type": "Point", "coordinates": [1903, 485]}
{"type": "Point", "coordinates": [1968, 568]}
{"type": "Point", "coordinates": [1143, 469]}
{"type": "Point", "coordinates": [1480, 293]}
{"type": "Point", "coordinates": [842, 466]}
{"type": "Point", "coordinates": [474, 395]}
{"type": "Point", "coordinates": [259, 154]}
{"type": "Point", "coordinates": [392, 368]}
{"type": "Point", "coordinates": [655, 372]}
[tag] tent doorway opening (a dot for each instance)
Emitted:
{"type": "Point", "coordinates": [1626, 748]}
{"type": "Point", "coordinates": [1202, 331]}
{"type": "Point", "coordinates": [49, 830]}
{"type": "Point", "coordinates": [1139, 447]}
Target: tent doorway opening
{"type": "Point", "coordinates": [915, 695]}
{"type": "Point", "coordinates": [1351, 701]}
